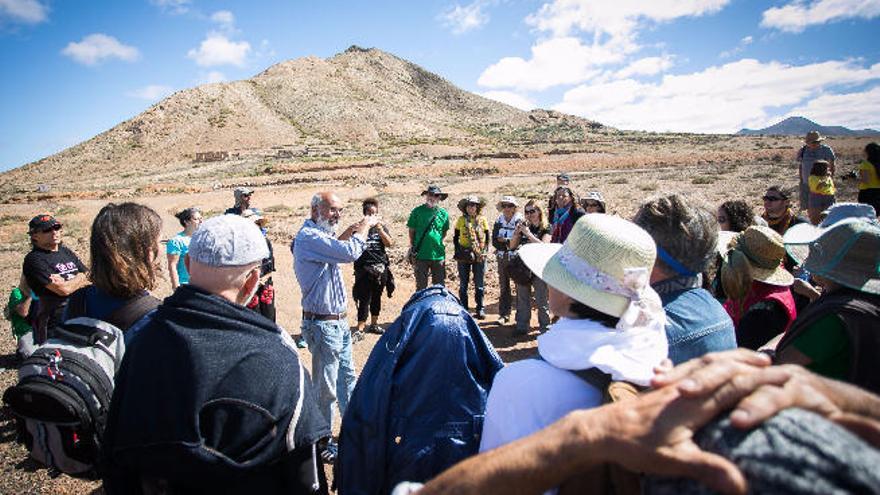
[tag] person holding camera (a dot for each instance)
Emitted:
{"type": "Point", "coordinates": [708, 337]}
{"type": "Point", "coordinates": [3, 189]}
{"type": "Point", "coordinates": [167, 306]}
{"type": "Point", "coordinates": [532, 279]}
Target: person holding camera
{"type": "Point", "coordinates": [502, 233]}
{"type": "Point", "coordinates": [471, 241]}
{"type": "Point", "coordinates": [534, 229]}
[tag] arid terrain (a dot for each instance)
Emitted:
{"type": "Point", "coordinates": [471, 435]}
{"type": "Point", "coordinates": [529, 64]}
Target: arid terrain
{"type": "Point", "coordinates": [363, 123]}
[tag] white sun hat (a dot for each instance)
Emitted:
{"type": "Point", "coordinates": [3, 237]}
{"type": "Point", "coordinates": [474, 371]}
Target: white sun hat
{"type": "Point", "coordinates": [605, 263]}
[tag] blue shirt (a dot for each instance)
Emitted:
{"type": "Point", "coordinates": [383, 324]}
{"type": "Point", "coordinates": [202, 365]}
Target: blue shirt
{"type": "Point", "coordinates": [316, 258]}
{"type": "Point", "coordinates": [179, 245]}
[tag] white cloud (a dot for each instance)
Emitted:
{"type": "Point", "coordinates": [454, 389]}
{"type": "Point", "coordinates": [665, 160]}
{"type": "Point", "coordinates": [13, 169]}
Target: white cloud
{"type": "Point", "coordinates": [461, 19]}
{"type": "Point", "coordinates": [151, 92]}
{"type": "Point", "coordinates": [213, 76]}
{"type": "Point", "coordinates": [97, 47]}
{"type": "Point", "coordinates": [218, 49]}
{"type": "Point", "coordinates": [859, 110]}
{"type": "Point", "coordinates": [564, 58]}
{"type": "Point", "coordinates": [746, 41]}
{"type": "Point", "coordinates": [796, 16]}
{"type": "Point", "coordinates": [647, 66]}
{"type": "Point", "coordinates": [618, 17]}
{"type": "Point", "coordinates": [554, 62]}
{"type": "Point", "coordinates": [510, 98]}
{"type": "Point", "coordinates": [743, 43]}
{"type": "Point", "coordinates": [718, 99]}
{"type": "Point", "coordinates": [225, 21]}
{"type": "Point", "coordinates": [26, 11]}
{"type": "Point", "coordinates": [172, 6]}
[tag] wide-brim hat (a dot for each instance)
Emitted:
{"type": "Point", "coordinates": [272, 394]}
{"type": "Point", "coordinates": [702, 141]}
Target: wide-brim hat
{"type": "Point", "coordinates": [848, 253]}
{"type": "Point", "coordinates": [594, 196]}
{"type": "Point", "coordinates": [255, 216]}
{"type": "Point", "coordinates": [471, 200]}
{"type": "Point", "coordinates": [798, 237]}
{"type": "Point", "coordinates": [599, 256]}
{"type": "Point", "coordinates": [506, 200]}
{"type": "Point", "coordinates": [435, 191]}
{"type": "Point", "coordinates": [813, 137]}
{"type": "Point", "coordinates": [764, 249]}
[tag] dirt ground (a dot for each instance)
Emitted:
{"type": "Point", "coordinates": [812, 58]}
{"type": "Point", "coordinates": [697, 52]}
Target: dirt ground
{"type": "Point", "coordinates": [711, 179]}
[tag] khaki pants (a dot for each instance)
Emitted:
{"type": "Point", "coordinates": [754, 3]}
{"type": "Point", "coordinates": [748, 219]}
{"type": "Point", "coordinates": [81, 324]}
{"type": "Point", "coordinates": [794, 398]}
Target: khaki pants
{"type": "Point", "coordinates": [437, 269]}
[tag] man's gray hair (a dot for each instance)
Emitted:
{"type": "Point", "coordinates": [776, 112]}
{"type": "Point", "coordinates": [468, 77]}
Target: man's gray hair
{"type": "Point", "coordinates": [316, 200]}
{"type": "Point", "coordinates": [687, 231]}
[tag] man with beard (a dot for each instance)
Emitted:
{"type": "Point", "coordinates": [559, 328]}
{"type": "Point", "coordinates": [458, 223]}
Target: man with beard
{"type": "Point", "coordinates": [229, 410]}
{"type": "Point", "coordinates": [317, 252]}
{"type": "Point", "coordinates": [427, 226]}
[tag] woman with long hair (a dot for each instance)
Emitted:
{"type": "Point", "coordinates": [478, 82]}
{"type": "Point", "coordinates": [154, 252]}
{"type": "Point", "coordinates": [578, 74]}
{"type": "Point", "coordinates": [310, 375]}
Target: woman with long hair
{"type": "Point", "coordinates": [534, 229]}
{"type": "Point", "coordinates": [124, 248]}
{"type": "Point", "coordinates": [869, 178]}
{"type": "Point", "coordinates": [178, 246]}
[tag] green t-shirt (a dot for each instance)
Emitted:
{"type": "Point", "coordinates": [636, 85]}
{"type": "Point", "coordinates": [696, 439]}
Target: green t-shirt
{"type": "Point", "coordinates": [431, 247]}
{"type": "Point", "coordinates": [20, 326]}
{"type": "Point", "coordinates": [827, 345]}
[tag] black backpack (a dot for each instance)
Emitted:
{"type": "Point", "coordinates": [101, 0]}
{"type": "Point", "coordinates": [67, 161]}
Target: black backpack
{"type": "Point", "coordinates": [64, 388]}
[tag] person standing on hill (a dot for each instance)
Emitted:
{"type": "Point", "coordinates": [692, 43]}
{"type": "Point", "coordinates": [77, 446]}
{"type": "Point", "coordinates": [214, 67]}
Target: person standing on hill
{"type": "Point", "coordinates": [428, 224]}
{"type": "Point", "coordinates": [812, 150]}
{"type": "Point", "coordinates": [52, 271]}
{"type": "Point", "coordinates": [317, 253]}
{"type": "Point", "coordinates": [242, 200]}
{"type": "Point", "coordinates": [502, 232]}
{"type": "Point", "coordinates": [869, 178]}
{"type": "Point", "coordinates": [178, 246]}
{"type": "Point", "coordinates": [372, 272]}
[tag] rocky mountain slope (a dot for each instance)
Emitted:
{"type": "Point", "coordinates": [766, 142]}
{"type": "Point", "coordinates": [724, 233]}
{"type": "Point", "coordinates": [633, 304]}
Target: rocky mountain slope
{"type": "Point", "coordinates": [799, 126]}
{"type": "Point", "coordinates": [362, 102]}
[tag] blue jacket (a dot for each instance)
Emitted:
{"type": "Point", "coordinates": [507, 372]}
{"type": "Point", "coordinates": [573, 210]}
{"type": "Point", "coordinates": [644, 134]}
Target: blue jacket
{"type": "Point", "coordinates": [696, 323]}
{"type": "Point", "coordinates": [418, 405]}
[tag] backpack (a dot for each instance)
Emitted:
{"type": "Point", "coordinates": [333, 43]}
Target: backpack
{"type": "Point", "coordinates": [606, 478]}
{"type": "Point", "coordinates": [64, 388]}
{"type": "Point", "coordinates": [419, 403]}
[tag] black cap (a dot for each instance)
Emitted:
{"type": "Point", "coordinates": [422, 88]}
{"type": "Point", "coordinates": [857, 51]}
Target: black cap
{"type": "Point", "coordinates": [42, 223]}
{"type": "Point", "coordinates": [435, 191]}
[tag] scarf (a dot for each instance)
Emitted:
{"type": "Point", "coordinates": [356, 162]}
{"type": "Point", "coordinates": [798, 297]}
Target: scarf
{"type": "Point", "coordinates": [473, 235]}
{"type": "Point", "coordinates": [780, 225]}
{"type": "Point", "coordinates": [629, 356]}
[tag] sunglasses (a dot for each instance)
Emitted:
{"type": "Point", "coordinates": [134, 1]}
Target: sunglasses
{"type": "Point", "coordinates": [529, 211]}
{"type": "Point", "coordinates": [772, 198]}
{"type": "Point", "coordinates": [57, 226]}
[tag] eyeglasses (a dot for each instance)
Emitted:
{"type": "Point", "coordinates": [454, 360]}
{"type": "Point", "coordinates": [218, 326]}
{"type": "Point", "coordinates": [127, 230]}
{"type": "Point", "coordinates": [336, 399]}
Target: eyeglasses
{"type": "Point", "coordinates": [772, 198]}
{"type": "Point", "coordinates": [529, 211]}
{"type": "Point", "coordinates": [57, 226]}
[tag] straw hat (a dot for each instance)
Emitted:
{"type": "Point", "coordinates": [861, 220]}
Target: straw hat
{"type": "Point", "coordinates": [849, 254]}
{"type": "Point", "coordinates": [471, 200]}
{"type": "Point", "coordinates": [798, 237]}
{"type": "Point", "coordinates": [506, 200]}
{"type": "Point", "coordinates": [602, 259]}
{"type": "Point", "coordinates": [764, 249]}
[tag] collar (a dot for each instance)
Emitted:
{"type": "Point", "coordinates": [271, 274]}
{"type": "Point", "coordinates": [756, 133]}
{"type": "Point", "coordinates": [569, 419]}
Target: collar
{"type": "Point", "coordinates": [677, 284]}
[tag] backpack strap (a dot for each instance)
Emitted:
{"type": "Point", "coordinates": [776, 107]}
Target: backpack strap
{"type": "Point", "coordinates": [132, 311]}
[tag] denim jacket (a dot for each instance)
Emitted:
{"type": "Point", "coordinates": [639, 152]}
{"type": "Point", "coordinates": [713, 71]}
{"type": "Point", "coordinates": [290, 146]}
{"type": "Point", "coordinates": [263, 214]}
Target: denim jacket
{"type": "Point", "coordinates": [696, 323]}
{"type": "Point", "coordinates": [418, 405]}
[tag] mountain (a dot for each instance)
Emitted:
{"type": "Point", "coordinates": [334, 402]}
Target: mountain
{"type": "Point", "coordinates": [362, 102]}
{"type": "Point", "coordinates": [799, 126]}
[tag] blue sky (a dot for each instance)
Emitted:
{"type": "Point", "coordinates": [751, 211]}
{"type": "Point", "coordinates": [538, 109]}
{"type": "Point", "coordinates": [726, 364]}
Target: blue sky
{"type": "Point", "coordinates": [74, 69]}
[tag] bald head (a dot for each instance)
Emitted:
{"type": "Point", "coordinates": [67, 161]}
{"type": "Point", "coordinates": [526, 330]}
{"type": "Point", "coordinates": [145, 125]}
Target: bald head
{"type": "Point", "coordinates": [233, 283]}
{"type": "Point", "coordinates": [326, 208]}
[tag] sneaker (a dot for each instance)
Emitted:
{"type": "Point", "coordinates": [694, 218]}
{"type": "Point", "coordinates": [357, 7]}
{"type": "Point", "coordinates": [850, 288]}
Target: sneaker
{"type": "Point", "coordinates": [375, 329]}
{"type": "Point", "coordinates": [357, 336]}
{"type": "Point", "coordinates": [301, 343]}
{"type": "Point", "coordinates": [504, 320]}
{"type": "Point", "coordinates": [481, 314]}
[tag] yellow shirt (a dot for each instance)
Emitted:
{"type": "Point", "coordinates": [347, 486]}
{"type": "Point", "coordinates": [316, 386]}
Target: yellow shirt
{"type": "Point", "coordinates": [482, 226]}
{"type": "Point", "coordinates": [821, 185]}
{"type": "Point", "coordinates": [871, 172]}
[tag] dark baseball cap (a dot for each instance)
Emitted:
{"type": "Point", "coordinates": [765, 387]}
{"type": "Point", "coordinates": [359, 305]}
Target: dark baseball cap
{"type": "Point", "coordinates": [41, 223]}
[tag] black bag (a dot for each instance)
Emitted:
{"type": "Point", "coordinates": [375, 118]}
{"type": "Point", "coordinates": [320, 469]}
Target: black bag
{"type": "Point", "coordinates": [64, 388]}
{"type": "Point", "coordinates": [518, 271]}
{"type": "Point", "coordinates": [465, 255]}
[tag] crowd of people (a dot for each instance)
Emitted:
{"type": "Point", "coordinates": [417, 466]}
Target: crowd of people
{"type": "Point", "coordinates": [639, 321]}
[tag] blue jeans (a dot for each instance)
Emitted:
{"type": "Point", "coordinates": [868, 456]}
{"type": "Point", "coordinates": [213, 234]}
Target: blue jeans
{"type": "Point", "coordinates": [464, 275]}
{"type": "Point", "coordinates": [333, 376]}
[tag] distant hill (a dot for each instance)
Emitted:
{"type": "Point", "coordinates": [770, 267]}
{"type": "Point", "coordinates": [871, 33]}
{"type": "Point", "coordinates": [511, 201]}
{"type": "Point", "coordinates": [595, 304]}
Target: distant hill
{"type": "Point", "coordinates": [798, 126]}
{"type": "Point", "coordinates": [362, 102]}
